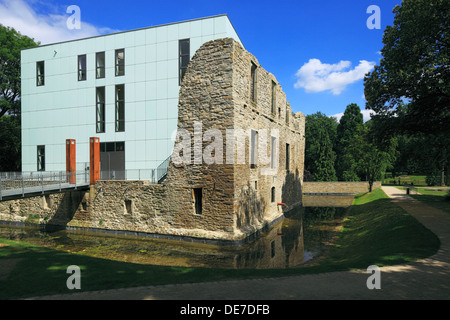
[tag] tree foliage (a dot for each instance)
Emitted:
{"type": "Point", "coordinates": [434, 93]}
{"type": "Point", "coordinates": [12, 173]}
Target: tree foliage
{"type": "Point", "coordinates": [349, 125]}
{"type": "Point", "coordinates": [11, 44]}
{"type": "Point", "coordinates": [415, 68]}
{"type": "Point", "coordinates": [320, 136]}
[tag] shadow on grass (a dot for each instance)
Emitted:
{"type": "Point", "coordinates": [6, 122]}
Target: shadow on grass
{"type": "Point", "coordinates": [436, 201]}
{"type": "Point", "coordinates": [376, 231]}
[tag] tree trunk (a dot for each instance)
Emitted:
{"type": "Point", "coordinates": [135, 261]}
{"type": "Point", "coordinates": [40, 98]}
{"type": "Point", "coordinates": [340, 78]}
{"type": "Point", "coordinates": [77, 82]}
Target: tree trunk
{"type": "Point", "coordinates": [443, 176]}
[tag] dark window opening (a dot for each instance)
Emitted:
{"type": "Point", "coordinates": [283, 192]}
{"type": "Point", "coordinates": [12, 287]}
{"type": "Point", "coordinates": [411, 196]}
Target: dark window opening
{"type": "Point", "coordinates": [128, 207]}
{"type": "Point", "coordinates": [40, 158]}
{"type": "Point", "coordinates": [40, 73]}
{"type": "Point", "coordinates": [288, 156]}
{"type": "Point", "coordinates": [253, 83]}
{"type": "Point", "coordinates": [198, 200]}
{"type": "Point", "coordinates": [253, 150]}
{"type": "Point", "coordinates": [100, 65]}
{"type": "Point", "coordinates": [82, 68]}
{"type": "Point", "coordinates": [120, 108]}
{"type": "Point", "coordinates": [183, 58]}
{"type": "Point", "coordinates": [274, 103]}
{"type": "Point", "coordinates": [100, 109]}
{"type": "Point", "coordinates": [272, 194]}
{"type": "Point", "coordinates": [120, 62]}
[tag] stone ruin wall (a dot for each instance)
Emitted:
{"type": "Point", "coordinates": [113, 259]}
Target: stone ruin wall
{"type": "Point", "coordinates": [236, 198]}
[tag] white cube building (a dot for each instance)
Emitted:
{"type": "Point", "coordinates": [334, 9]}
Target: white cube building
{"type": "Point", "coordinates": [122, 88]}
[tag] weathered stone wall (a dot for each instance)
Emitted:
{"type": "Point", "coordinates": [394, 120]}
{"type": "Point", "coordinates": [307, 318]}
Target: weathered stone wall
{"type": "Point", "coordinates": [236, 196]}
{"type": "Point", "coordinates": [51, 209]}
{"type": "Point", "coordinates": [353, 187]}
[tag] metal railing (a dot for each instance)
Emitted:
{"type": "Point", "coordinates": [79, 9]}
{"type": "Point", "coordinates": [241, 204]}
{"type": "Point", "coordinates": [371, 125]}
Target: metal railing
{"type": "Point", "coordinates": [21, 183]}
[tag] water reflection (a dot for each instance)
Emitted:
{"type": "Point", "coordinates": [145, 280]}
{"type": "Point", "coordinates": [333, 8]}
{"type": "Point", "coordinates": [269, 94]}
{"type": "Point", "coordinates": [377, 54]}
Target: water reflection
{"type": "Point", "coordinates": [300, 236]}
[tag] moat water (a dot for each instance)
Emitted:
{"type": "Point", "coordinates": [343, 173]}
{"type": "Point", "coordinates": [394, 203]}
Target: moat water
{"type": "Point", "coordinates": [303, 234]}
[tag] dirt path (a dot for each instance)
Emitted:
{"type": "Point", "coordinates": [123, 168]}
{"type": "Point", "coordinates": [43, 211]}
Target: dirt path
{"type": "Point", "coordinates": [424, 279]}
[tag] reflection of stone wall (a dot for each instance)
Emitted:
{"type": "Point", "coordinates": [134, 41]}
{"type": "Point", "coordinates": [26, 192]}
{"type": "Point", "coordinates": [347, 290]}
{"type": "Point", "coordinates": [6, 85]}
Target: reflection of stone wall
{"type": "Point", "coordinates": [355, 187]}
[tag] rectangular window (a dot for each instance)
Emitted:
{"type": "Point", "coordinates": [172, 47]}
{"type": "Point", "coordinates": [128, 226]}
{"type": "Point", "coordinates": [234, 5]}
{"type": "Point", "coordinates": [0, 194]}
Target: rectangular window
{"type": "Point", "coordinates": [100, 109]}
{"type": "Point", "coordinates": [100, 65]}
{"type": "Point", "coordinates": [120, 108]}
{"type": "Point", "coordinates": [198, 195]}
{"type": "Point", "coordinates": [120, 62]}
{"type": "Point", "coordinates": [40, 158]}
{"type": "Point", "coordinates": [253, 83]}
{"type": "Point", "coordinates": [253, 148]}
{"type": "Point", "coordinates": [82, 67]}
{"type": "Point", "coordinates": [184, 52]}
{"type": "Point", "coordinates": [288, 156]}
{"type": "Point", "coordinates": [272, 194]}
{"type": "Point", "coordinates": [40, 73]}
{"type": "Point", "coordinates": [274, 97]}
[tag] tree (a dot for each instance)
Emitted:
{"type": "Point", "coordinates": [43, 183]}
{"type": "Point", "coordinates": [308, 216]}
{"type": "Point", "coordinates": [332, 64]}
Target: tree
{"type": "Point", "coordinates": [10, 143]}
{"type": "Point", "coordinates": [415, 67]}
{"type": "Point", "coordinates": [320, 133]}
{"type": "Point", "coordinates": [372, 159]}
{"type": "Point", "coordinates": [11, 44]}
{"type": "Point", "coordinates": [348, 126]}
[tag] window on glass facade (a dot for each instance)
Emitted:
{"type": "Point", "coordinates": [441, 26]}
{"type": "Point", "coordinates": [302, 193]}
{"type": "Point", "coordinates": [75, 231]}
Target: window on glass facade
{"type": "Point", "coordinates": [120, 108]}
{"type": "Point", "coordinates": [40, 73]}
{"type": "Point", "coordinates": [40, 158]}
{"type": "Point", "coordinates": [120, 62]}
{"type": "Point", "coordinates": [183, 57]}
{"type": "Point", "coordinates": [100, 65]}
{"type": "Point", "coordinates": [100, 109]}
{"type": "Point", "coordinates": [82, 67]}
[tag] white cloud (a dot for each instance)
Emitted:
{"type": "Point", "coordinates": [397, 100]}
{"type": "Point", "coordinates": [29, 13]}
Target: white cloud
{"type": "Point", "coordinates": [315, 76]}
{"type": "Point", "coordinates": [366, 115]}
{"type": "Point", "coordinates": [46, 28]}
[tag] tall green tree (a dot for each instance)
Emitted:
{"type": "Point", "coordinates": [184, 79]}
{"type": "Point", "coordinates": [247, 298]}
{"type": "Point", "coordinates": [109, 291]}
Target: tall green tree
{"type": "Point", "coordinates": [371, 159]}
{"type": "Point", "coordinates": [415, 67]}
{"type": "Point", "coordinates": [11, 44]}
{"type": "Point", "coordinates": [347, 158]}
{"type": "Point", "coordinates": [10, 143]}
{"type": "Point", "coordinates": [320, 136]}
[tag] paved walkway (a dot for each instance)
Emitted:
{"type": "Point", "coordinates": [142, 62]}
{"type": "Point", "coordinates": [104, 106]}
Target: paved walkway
{"type": "Point", "coordinates": [424, 279]}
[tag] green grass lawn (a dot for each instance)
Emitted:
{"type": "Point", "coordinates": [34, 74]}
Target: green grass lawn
{"type": "Point", "coordinates": [376, 231]}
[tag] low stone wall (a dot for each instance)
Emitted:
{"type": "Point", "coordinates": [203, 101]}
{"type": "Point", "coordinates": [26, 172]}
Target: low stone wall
{"type": "Point", "coordinates": [347, 187]}
{"type": "Point", "coordinates": [51, 209]}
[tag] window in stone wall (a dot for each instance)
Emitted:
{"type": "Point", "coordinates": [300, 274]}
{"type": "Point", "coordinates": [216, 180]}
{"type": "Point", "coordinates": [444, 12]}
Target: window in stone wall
{"type": "Point", "coordinates": [272, 194]}
{"type": "Point", "coordinates": [198, 195]}
{"type": "Point", "coordinates": [128, 207]}
{"type": "Point", "coordinates": [274, 97]}
{"type": "Point", "coordinates": [288, 156]}
{"type": "Point", "coordinates": [253, 148]}
{"type": "Point", "coordinates": [253, 83]}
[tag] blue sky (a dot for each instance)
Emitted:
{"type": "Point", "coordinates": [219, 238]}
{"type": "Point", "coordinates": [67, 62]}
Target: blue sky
{"type": "Point", "coordinates": [318, 50]}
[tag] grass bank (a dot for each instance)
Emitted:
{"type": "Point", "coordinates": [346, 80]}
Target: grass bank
{"type": "Point", "coordinates": [376, 231]}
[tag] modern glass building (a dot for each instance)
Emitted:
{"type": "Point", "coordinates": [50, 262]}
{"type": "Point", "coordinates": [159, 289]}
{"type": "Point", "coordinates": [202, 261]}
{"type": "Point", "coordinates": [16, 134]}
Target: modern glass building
{"type": "Point", "coordinates": [122, 88]}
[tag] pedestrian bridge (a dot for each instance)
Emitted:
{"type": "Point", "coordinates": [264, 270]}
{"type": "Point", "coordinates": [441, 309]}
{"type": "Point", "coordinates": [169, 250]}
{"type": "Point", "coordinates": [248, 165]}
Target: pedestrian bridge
{"type": "Point", "coordinates": [15, 185]}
